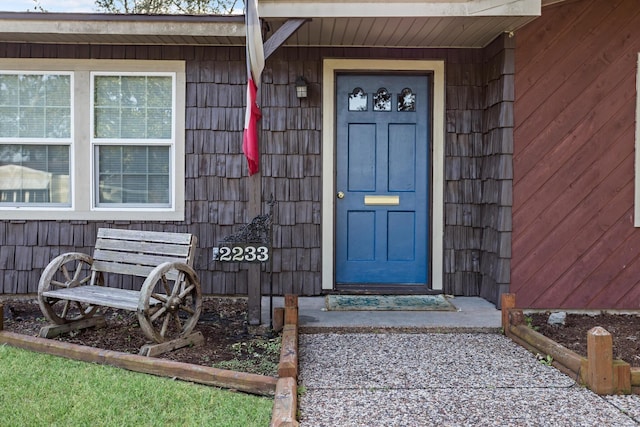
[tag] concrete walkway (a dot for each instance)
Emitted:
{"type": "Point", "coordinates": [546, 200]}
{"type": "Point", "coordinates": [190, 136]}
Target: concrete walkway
{"type": "Point", "coordinates": [461, 378]}
{"type": "Point", "coordinates": [473, 313]}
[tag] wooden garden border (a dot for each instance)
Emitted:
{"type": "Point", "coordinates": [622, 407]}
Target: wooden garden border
{"type": "Point", "coordinates": [598, 371]}
{"type": "Point", "coordinates": [249, 383]}
{"type": "Point", "coordinates": [285, 405]}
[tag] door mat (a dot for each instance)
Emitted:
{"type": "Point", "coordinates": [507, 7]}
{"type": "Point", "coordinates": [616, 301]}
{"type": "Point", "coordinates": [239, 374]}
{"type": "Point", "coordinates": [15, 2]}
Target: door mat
{"type": "Point", "coordinates": [388, 303]}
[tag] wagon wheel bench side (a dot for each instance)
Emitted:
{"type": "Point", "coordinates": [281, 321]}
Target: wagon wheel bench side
{"type": "Point", "coordinates": [168, 304]}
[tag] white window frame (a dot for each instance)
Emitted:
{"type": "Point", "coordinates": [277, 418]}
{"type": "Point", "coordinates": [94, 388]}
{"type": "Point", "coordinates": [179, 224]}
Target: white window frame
{"type": "Point", "coordinates": [82, 144]}
{"type": "Point", "coordinates": [68, 142]}
{"type": "Point", "coordinates": [95, 142]}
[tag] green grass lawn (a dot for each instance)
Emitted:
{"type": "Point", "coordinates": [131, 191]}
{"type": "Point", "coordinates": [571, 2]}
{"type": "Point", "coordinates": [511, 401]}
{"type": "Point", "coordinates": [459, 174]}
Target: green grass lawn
{"type": "Point", "coordinates": [42, 390]}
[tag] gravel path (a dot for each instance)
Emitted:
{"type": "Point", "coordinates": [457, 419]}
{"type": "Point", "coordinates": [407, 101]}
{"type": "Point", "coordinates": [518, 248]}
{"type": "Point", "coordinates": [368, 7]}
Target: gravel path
{"type": "Point", "coordinates": [443, 380]}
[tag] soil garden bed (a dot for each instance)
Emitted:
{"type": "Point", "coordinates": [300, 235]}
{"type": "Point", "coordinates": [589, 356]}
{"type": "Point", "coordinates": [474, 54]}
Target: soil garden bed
{"type": "Point", "coordinates": [230, 343]}
{"type": "Point", "coordinates": [624, 329]}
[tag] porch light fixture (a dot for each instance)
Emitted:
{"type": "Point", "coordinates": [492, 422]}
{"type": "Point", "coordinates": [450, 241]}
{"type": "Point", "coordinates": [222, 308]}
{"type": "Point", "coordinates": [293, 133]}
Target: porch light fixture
{"type": "Point", "coordinates": [301, 87]}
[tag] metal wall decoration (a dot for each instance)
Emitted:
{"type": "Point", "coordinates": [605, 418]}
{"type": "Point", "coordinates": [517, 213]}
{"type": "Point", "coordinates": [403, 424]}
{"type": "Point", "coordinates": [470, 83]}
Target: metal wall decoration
{"type": "Point", "coordinates": [252, 243]}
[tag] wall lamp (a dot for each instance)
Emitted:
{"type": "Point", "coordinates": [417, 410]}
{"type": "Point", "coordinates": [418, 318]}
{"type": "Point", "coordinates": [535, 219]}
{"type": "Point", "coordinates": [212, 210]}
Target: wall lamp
{"type": "Point", "coordinates": [301, 87]}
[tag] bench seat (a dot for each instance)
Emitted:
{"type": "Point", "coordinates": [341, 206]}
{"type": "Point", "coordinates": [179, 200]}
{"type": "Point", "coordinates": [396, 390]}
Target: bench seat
{"type": "Point", "coordinates": [124, 299]}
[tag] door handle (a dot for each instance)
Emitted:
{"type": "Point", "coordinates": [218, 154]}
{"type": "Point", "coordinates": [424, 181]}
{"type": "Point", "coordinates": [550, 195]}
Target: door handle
{"type": "Point", "coordinates": [340, 195]}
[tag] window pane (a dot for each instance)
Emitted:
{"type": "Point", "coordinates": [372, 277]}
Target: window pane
{"type": "Point", "coordinates": [158, 189]}
{"type": "Point", "coordinates": [57, 89]}
{"type": "Point", "coordinates": [110, 190]}
{"type": "Point", "coordinates": [58, 123]}
{"type": "Point", "coordinates": [133, 123]}
{"type": "Point", "coordinates": [133, 107]}
{"type": "Point", "coordinates": [135, 160]}
{"type": "Point", "coordinates": [32, 122]}
{"type": "Point", "coordinates": [107, 122]}
{"type": "Point", "coordinates": [159, 160]}
{"type": "Point", "coordinates": [9, 89]}
{"type": "Point", "coordinates": [107, 91]}
{"type": "Point", "coordinates": [35, 106]}
{"type": "Point", "coordinates": [160, 92]}
{"type": "Point", "coordinates": [9, 122]}
{"type": "Point", "coordinates": [32, 90]}
{"type": "Point", "coordinates": [134, 91]}
{"type": "Point", "coordinates": [159, 123]}
{"type": "Point", "coordinates": [134, 189]}
{"type": "Point", "coordinates": [110, 160]}
{"type": "Point", "coordinates": [136, 175]}
{"type": "Point", "coordinates": [34, 174]}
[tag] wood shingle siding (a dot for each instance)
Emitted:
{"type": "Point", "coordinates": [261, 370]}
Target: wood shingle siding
{"type": "Point", "coordinates": [477, 187]}
{"type": "Point", "coordinates": [574, 243]}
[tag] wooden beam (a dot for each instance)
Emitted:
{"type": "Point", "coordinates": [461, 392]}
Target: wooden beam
{"type": "Point", "coordinates": [635, 377]}
{"type": "Point", "coordinates": [278, 319]}
{"type": "Point", "coordinates": [153, 350]}
{"type": "Point", "coordinates": [281, 35]}
{"type": "Point", "coordinates": [52, 331]}
{"type": "Point", "coordinates": [254, 276]}
{"type": "Point", "coordinates": [621, 377]}
{"type": "Point", "coordinates": [288, 366]}
{"type": "Point", "coordinates": [285, 404]}
{"type": "Point", "coordinates": [546, 346]}
{"type": "Point", "coordinates": [291, 309]}
{"type": "Point", "coordinates": [249, 383]}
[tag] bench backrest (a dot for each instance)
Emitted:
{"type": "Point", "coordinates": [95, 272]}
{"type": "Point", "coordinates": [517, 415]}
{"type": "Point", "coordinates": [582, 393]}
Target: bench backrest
{"type": "Point", "coordinates": [135, 252]}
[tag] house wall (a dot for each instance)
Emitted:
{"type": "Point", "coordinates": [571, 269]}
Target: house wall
{"type": "Point", "coordinates": [574, 243]}
{"type": "Point", "coordinates": [216, 185]}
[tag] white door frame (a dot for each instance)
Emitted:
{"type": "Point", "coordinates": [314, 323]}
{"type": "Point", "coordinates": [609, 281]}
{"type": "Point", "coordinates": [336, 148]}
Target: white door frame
{"type": "Point", "coordinates": [330, 67]}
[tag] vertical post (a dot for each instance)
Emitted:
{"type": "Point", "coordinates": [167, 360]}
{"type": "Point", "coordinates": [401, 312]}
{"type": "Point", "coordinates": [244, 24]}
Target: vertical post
{"type": "Point", "coordinates": [254, 284]}
{"type": "Point", "coordinates": [1, 316]}
{"type": "Point", "coordinates": [508, 301]}
{"type": "Point", "coordinates": [277, 322]}
{"type": "Point", "coordinates": [291, 309]}
{"type": "Point", "coordinates": [600, 361]}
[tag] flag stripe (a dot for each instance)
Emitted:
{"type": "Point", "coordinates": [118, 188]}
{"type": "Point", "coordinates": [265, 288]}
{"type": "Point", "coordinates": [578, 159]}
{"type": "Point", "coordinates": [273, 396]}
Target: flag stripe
{"type": "Point", "coordinates": [255, 65]}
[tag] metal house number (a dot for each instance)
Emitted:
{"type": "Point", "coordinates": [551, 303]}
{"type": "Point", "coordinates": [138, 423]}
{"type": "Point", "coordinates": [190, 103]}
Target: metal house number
{"type": "Point", "coordinates": [241, 253]}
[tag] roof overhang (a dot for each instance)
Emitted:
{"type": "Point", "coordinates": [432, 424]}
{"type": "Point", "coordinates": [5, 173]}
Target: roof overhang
{"type": "Point", "coordinates": [92, 28]}
{"type": "Point", "coordinates": [374, 23]}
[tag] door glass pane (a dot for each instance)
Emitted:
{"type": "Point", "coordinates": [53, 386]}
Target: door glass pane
{"type": "Point", "coordinates": [406, 100]}
{"type": "Point", "coordinates": [358, 100]}
{"type": "Point", "coordinates": [382, 100]}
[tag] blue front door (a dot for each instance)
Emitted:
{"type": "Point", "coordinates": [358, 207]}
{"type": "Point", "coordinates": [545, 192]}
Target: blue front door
{"type": "Point", "coordinates": [382, 179]}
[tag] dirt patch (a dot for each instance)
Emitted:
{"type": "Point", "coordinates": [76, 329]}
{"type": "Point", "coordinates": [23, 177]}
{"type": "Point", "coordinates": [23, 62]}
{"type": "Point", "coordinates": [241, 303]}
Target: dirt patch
{"type": "Point", "coordinates": [230, 342]}
{"type": "Point", "coordinates": [624, 329]}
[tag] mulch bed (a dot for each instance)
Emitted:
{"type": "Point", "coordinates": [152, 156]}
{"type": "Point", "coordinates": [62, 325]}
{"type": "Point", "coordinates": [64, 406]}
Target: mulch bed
{"type": "Point", "coordinates": [223, 323]}
{"type": "Point", "coordinates": [624, 329]}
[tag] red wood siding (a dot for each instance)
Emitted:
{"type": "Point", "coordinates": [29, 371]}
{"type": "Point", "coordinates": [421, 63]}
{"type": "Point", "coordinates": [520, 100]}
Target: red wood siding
{"type": "Point", "coordinates": [574, 244]}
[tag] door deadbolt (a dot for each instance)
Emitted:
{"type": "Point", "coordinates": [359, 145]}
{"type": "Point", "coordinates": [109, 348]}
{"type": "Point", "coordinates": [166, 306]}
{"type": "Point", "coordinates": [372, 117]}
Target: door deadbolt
{"type": "Point", "coordinates": [340, 195]}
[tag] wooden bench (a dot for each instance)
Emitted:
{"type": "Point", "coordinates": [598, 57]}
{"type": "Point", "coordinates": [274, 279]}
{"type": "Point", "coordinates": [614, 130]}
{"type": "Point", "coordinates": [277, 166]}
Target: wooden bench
{"type": "Point", "coordinates": [168, 304]}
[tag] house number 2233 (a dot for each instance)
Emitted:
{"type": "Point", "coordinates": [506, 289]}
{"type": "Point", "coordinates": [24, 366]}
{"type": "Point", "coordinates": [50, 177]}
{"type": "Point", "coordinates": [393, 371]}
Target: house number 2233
{"type": "Point", "coordinates": [241, 254]}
